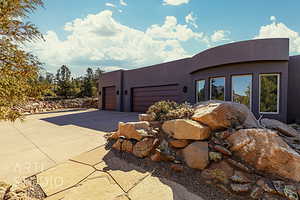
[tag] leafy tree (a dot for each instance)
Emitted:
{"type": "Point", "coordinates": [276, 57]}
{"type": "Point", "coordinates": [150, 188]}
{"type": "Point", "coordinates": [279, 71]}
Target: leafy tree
{"type": "Point", "coordinates": [49, 78]}
{"type": "Point", "coordinates": [98, 73]}
{"type": "Point", "coordinates": [40, 88]}
{"type": "Point", "coordinates": [18, 69]}
{"type": "Point", "coordinates": [88, 83]}
{"type": "Point", "coordinates": [76, 90]}
{"type": "Point", "coordinates": [63, 78]}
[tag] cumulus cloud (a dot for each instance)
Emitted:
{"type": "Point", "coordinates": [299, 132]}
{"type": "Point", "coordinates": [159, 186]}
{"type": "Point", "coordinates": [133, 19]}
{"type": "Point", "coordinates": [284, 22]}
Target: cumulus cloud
{"type": "Point", "coordinates": [112, 68]}
{"type": "Point", "coordinates": [190, 19]}
{"type": "Point", "coordinates": [280, 30]}
{"type": "Point", "coordinates": [273, 18]}
{"type": "Point", "coordinates": [172, 30]}
{"type": "Point", "coordinates": [220, 35]}
{"type": "Point", "coordinates": [175, 2]}
{"type": "Point", "coordinates": [99, 40]}
{"type": "Point", "coordinates": [110, 5]}
{"type": "Point", "coordinates": [123, 3]}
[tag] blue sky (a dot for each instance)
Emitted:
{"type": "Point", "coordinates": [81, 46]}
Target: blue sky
{"type": "Point", "coordinates": [128, 34]}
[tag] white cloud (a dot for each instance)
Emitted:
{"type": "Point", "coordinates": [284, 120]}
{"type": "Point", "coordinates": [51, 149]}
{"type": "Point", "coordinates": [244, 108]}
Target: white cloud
{"type": "Point", "coordinates": [112, 68]}
{"type": "Point", "coordinates": [110, 5]}
{"type": "Point", "coordinates": [273, 18]}
{"type": "Point", "coordinates": [172, 30]}
{"type": "Point", "coordinates": [280, 30]}
{"type": "Point", "coordinates": [99, 40]}
{"type": "Point", "coordinates": [220, 35]}
{"type": "Point", "coordinates": [123, 3]}
{"type": "Point", "coordinates": [190, 19]}
{"type": "Point", "coordinates": [175, 2]}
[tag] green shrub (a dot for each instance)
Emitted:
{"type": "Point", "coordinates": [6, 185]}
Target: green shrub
{"type": "Point", "coordinates": [168, 110]}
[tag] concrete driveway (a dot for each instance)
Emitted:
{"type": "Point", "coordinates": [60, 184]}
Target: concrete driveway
{"type": "Point", "coordinates": [43, 140]}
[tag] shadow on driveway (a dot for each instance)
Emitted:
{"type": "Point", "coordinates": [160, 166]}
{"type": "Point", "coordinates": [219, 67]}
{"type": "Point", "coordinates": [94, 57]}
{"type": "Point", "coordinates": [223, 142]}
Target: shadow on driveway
{"type": "Point", "coordinates": [95, 119]}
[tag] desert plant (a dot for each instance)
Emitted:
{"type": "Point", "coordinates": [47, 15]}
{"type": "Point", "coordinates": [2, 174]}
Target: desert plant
{"type": "Point", "coordinates": [168, 110]}
{"type": "Point", "coordinates": [182, 111]}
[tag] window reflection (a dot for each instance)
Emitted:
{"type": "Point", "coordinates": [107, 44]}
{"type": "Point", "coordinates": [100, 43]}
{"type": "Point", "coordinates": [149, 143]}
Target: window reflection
{"type": "Point", "coordinates": [217, 88]}
{"type": "Point", "coordinates": [242, 89]}
{"type": "Point", "coordinates": [200, 90]}
{"type": "Point", "coordinates": [269, 93]}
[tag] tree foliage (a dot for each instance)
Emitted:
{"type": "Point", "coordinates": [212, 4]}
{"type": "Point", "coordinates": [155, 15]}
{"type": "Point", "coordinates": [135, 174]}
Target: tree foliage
{"type": "Point", "coordinates": [63, 78]}
{"type": "Point", "coordinates": [18, 69]}
{"type": "Point", "coordinates": [66, 86]}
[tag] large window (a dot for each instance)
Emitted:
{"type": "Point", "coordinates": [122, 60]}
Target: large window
{"type": "Point", "coordinates": [242, 89]}
{"type": "Point", "coordinates": [269, 93]}
{"type": "Point", "coordinates": [217, 88]}
{"type": "Point", "coordinates": [200, 91]}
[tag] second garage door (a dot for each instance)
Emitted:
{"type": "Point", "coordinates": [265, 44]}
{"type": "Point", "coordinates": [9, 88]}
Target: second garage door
{"type": "Point", "coordinates": [144, 97]}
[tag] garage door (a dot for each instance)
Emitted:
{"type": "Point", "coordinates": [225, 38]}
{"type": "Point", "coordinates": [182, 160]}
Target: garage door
{"type": "Point", "coordinates": [144, 97]}
{"type": "Point", "coordinates": [110, 100]}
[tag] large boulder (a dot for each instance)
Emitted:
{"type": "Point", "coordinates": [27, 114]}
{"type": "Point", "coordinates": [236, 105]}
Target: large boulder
{"type": "Point", "coordinates": [220, 115]}
{"type": "Point", "coordinates": [186, 129]}
{"type": "Point", "coordinates": [130, 130]}
{"type": "Point", "coordinates": [266, 151]}
{"type": "Point", "coordinates": [279, 126]}
{"type": "Point", "coordinates": [196, 155]}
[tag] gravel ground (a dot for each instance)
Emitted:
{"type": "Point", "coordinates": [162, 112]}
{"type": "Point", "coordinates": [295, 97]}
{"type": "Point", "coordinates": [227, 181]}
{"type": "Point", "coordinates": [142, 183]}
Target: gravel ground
{"type": "Point", "coordinates": [34, 190]}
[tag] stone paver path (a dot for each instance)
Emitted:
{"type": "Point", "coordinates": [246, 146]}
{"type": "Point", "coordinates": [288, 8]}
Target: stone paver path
{"type": "Point", "coordinates": [100, 175]}
{"type": "Point", "coordinates": [43, 140]}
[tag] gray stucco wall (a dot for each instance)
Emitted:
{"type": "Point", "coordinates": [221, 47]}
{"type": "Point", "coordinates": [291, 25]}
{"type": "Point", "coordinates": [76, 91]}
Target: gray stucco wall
{"type": "Point", "coordinates": [111, 79]}
{"type": "Point", "coordinates": [245, 51]}
{"type": "Point", "coordinates": [158, 75]}
{"type": "Point", "coordinates": [247, 57]}
{"type": "Point", "coordinates": [294, 89]}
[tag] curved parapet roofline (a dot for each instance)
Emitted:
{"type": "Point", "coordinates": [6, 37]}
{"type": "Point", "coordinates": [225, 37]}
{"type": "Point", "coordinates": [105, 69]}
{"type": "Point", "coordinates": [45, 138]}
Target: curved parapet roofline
{"type": "Point", "coordinates": [275, 49]}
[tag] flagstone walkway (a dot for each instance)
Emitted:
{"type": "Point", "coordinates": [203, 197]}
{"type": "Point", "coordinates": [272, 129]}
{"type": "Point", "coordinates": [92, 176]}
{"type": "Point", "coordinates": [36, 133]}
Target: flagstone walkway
{"type": "Point", "coordinates": [101, 175]}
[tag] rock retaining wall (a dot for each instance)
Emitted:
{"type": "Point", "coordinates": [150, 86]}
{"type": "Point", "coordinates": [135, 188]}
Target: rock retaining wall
{"type": "Point", "coordinates": [37, 106]}
{"type": "Point", "coordinates": [233, 150]}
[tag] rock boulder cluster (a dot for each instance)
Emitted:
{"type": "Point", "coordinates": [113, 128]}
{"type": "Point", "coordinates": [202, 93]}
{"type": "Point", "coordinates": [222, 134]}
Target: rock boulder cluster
{"type": "Point", "coordinates": [233, 150]}
{"type": "Point", "coordinates": [37, 106]}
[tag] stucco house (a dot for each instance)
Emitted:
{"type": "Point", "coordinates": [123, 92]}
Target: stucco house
{"type": "Point", "coordinates": [258, 73]}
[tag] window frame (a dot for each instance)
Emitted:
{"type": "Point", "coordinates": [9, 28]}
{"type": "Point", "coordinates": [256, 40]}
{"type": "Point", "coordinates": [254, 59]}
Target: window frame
{"type": "Point", "coordinates": [251, 87]}
{"type": "Point", "coordinates": [196, 92]}
{"type": "Point", "coordinates": [278, 75]}
{"type": "Point", "coordinates": [210, 86]}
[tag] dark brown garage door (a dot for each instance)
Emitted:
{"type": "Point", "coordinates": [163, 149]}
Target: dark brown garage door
{"type": "Point", "coordinates": [144, 97]}
{"type": "Point", "coordinates": [110, 100]}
